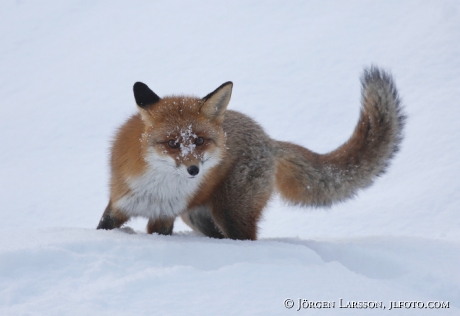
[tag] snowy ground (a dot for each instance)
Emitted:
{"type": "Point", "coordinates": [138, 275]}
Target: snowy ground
{"type": "Point", "coordinates": [66, 73]}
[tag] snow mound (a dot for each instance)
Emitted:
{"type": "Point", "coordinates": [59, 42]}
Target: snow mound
{"type": "Point", "coordinates": [70, 271]}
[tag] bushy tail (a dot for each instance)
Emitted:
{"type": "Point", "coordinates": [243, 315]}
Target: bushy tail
{"type": "Point", "coordinates": [307, 178]}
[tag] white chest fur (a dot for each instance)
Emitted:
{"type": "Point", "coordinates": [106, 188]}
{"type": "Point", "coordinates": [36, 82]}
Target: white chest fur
{"type": "Point", "coordinates": [164, 190]}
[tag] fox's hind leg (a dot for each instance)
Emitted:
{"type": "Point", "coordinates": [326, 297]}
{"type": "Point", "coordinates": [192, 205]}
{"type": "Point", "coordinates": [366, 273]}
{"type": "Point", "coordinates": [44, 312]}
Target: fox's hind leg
{"type": "Point", "coordinates": [111, 218]}
{"type": "Point", "coordinates": [200, 220]}
{"type": "Point", "coordinates": [163, 226]}
{"type": "Point", "coordinates": [237, 215]}
{"type": "Point", "coordinates": [238, 202]}
{"type": "Point", "coordinates": [239, 221]}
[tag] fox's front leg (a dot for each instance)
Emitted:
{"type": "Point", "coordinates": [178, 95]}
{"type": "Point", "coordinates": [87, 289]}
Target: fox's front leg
{"type": "Point", "coordinates": [111, 218]}
{"type": "Point", "coordinates": [163, 226]}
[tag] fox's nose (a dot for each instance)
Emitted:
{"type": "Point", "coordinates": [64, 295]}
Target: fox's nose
{"type": "Point", "coordinates": [193, 170]}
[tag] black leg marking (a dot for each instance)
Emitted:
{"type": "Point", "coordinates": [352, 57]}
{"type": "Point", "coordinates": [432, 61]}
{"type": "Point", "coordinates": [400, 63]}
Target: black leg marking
{"type": "Point", "coordinates": [110, 220]}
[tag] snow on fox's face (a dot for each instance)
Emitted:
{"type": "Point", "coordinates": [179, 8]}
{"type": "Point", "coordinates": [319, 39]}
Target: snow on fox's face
{"type": "Point", "coordinates": [182, 137]}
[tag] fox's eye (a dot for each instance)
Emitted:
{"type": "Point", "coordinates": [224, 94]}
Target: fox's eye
{"type": "Point", "coordinates": [173, 144]}
{"type": "Point", "coordinates": [199, 141]}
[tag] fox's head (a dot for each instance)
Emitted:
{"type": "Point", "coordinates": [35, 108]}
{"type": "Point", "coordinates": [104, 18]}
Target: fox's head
{"type": "Point", "coordinates": [183, 134]}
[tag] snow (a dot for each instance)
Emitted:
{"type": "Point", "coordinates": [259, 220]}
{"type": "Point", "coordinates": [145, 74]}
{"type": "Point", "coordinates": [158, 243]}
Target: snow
{"type": "Point", "coordinates": [66, 75]}
{"type": "Point", "coordinates": [187, 142]}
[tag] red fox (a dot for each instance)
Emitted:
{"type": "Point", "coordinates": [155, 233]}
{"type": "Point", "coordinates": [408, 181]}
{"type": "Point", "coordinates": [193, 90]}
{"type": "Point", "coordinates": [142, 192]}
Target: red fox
{"type": "Point", "coordinates": [216, 168]}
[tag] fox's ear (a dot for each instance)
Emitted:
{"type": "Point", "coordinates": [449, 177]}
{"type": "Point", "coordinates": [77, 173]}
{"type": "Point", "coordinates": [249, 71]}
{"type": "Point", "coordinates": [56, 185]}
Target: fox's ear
{"type": "Point", "coordinates": [215, 103]}
{"type": "Point", "coordinates": [144, 96]}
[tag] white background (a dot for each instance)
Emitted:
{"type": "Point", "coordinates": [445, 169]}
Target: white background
{"type": "Point", "coordinates": [66, 75]}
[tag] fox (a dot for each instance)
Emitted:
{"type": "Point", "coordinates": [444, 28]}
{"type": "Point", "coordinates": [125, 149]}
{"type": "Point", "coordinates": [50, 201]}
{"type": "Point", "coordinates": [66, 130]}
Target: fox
{"type": "Point", "coordinates": [217, 169]}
